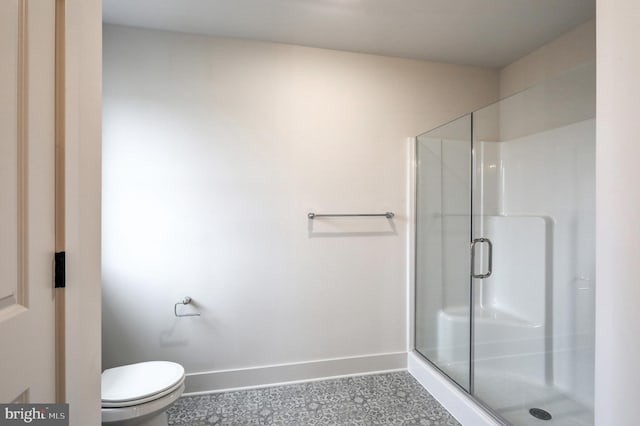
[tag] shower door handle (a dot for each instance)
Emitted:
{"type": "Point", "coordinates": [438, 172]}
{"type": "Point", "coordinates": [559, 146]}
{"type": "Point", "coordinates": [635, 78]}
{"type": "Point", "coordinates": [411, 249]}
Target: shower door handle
{"type": "Point", "coordinates": [473, 258]}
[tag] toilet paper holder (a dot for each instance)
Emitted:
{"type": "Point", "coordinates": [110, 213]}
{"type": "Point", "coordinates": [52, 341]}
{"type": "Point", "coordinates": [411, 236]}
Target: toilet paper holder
{"type": "Point", "coordinates": [185, 301]}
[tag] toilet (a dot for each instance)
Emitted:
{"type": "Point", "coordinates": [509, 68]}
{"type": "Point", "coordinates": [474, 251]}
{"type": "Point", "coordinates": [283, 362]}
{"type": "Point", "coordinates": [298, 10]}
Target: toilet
{"type": "Point", "coordinates": [140, 394]}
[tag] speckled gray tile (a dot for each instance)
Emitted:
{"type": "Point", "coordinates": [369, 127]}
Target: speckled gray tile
{"type": "Point", "coordinates": [381, 399]}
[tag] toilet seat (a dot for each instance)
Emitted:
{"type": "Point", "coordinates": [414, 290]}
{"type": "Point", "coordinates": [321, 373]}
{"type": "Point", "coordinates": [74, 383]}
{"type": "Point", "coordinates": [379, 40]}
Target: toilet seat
{"type": "Point", "coordinates": [140, 383]}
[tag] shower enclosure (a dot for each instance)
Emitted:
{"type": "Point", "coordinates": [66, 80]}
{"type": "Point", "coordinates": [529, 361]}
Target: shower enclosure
{"type": "Point", "coordinates": [504, 255]}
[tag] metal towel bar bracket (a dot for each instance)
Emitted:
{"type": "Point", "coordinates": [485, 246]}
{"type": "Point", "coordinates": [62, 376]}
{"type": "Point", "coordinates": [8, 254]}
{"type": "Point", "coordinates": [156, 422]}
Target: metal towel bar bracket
{"type": "Point", "coordinates": [185, 301]}
{"type": "Point", "coordinates": [388, 215]}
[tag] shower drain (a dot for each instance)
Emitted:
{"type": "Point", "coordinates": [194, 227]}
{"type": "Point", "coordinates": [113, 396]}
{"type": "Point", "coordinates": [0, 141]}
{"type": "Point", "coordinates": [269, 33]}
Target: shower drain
{"type": "Point", "coordinates": [539, 413]}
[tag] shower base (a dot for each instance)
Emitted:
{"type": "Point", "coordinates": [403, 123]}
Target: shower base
{"type": "Point", "coordinates": [512, 396]}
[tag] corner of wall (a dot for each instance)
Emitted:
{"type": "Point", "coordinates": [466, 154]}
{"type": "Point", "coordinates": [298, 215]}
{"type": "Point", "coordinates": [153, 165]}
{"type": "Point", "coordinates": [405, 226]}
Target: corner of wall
{"type": "Point", "coordinates": [574, 48]}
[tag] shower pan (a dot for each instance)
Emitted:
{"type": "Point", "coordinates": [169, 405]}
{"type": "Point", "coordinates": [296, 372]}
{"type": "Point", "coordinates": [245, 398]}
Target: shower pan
{"type": "Point", "coordinates": [504, 252]}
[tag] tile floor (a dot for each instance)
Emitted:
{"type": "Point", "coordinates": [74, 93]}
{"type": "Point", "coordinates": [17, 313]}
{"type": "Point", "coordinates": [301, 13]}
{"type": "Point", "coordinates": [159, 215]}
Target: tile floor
{"type": "Point", "coordinates": [381, 399]}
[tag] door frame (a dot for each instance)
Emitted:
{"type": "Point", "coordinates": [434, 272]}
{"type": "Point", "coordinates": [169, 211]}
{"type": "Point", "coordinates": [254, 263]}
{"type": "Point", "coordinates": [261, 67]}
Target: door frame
{"type": "Point", "coordinates": [60, 349]}
{"type": "Point", "coordinates": [79, 121]}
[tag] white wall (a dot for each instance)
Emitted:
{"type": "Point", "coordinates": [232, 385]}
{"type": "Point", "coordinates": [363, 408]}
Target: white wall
{"type": "Point", "coordinates": [574, 48]}
{"type": "Point", "coordinates": [214, 151]}
{"type": "Point", "coordinates": [618, 204]}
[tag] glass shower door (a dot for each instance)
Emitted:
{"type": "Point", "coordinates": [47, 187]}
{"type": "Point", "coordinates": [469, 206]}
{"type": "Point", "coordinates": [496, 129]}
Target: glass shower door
{"type": "Point", "coordinates": [443, 230]}
{"type": "Point", "coordinates": [505, 251]}
{"type": "Point", "coordinates": [533, 253]}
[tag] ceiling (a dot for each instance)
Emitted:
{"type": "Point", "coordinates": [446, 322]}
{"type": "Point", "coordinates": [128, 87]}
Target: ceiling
{"type": "Point", "coordinates": [476, 32]}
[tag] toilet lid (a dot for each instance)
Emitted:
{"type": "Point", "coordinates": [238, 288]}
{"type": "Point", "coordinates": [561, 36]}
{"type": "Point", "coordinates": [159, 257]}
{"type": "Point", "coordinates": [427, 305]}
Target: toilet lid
{"type": "Point", "coordinates": [139, 381]}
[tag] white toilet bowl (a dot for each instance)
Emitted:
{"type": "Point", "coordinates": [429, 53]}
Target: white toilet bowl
{"type": "Point", "coordinates": [140, 394]}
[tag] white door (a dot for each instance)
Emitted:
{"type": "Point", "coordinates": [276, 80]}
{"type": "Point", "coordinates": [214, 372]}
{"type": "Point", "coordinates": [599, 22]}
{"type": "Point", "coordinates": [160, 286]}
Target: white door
{"type": "Point", "coordinates": [27, 124]}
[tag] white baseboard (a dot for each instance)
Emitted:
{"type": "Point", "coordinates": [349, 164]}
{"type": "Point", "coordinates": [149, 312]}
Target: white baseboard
{"type": "Point", "coordinates": [272, 375]}
{"type": "Point", "coordinates": [454, 399]}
